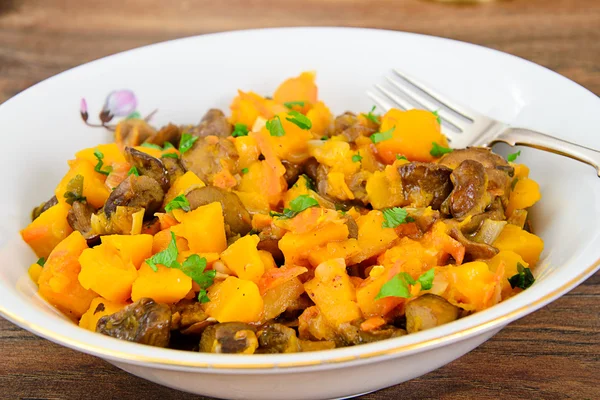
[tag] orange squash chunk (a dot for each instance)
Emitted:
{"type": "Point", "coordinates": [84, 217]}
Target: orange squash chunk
{"type": "Point", "coordinates": [48, 230]}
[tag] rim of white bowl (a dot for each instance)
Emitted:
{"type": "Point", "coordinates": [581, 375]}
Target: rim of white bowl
{"type": "Point", "coordinates": [220, 363]}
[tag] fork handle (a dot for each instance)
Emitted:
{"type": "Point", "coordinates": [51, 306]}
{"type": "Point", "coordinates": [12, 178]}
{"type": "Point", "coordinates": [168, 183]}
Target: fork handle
{"type": "Point", "coordinates": [529, 138]}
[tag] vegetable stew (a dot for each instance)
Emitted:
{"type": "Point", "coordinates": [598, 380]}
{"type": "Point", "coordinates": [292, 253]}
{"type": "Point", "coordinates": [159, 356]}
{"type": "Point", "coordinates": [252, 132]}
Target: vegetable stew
{"type": "Point", "coordinates": [282, 228]}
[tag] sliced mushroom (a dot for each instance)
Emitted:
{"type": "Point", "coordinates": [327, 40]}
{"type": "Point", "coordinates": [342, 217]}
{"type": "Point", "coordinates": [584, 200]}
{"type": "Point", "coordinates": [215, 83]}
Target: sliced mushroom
{"type": "Point", "coordinates": [352, 227]}
{"type": "Point", "coordinates": [36, 212]}
{"type": "Point", "coordinates": [348, 125]}
{"type": "Point", "coordinates": [213, 123]}
{"type": "Point", "coordinates": [237, 218]}
{"type": "Point", "coordinates": [351, 334]}
{"type": "Point", "coordinates": [292, 171]}
{"type": "Point", "coordinates": [482, 155]}
{"type": "Point", "coordinates": [229, 337]}
{"type": "Point", "coordinates": [167, 134]}
{"type": "Point", "coordinates": [470, 195]}
{"type": "Point", "coordinates": [148, 166]}
{"type": "Point", "coordinates": [79, 218]}
{"type": "Point", "coordinates": [144, 321]}
{"type": "Point", "coordinates": [173, 167]}
{"type": "Point", "coordinates": [425, 184]}
{"type": "Point", "coordinates": [210, 156]}
{"type": "Point", "coordinates": [428, 311]}
{"type": "Point", "coordinates": [277, 338]}
{"type": "Point", "coordinates": [136, 192]}
{"type": "Point", "coordinates": [473, 250]}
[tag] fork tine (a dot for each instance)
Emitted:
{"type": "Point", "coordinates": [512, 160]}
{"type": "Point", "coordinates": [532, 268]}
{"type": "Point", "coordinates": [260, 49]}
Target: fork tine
{"type": "Point", "coordinates": [426, 104]}
{"type": "Point", "coordinates": [404, 104]}
{"type": "Point", "coordinates": [468, 114]}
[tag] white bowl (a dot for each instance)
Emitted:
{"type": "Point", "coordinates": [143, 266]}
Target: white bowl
{"type": "Point", "coordinates": [41, 129]}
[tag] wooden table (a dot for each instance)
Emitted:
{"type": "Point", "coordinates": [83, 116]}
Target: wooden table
{"type": "Point", "coordinates": [551, 354]}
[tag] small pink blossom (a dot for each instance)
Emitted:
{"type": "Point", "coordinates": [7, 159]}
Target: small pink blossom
{"type": "Point", "coordinates": [83, 106]}
{"type": "Point", "coordinates": [120, 103]}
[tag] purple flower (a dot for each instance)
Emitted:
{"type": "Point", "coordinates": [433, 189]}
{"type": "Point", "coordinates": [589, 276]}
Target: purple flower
{"type": "Point", "coordinates": [119, 103]}
{"type": "Point", "coordinates": [83, 110]}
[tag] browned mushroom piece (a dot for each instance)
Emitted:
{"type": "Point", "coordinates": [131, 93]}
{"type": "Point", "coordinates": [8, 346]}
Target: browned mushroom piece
{"type": "Point", "coordinates": [213, 123]}
{"type": "Point", "coordinates": [428, 311]}
{"type": "Point", "coordinates": [310, 168]}
{"type": "Point", "coordinates": [148, 166]}
{"type": "Point", "coordinates": [425, 184]}
{"type": "Point", "coordinates": [133, 132]}
{"type": "Point", "coordinates": [473, 250]}
{"type": "Point", "coordinates": [292, 171]}
{"type": "Point", "coordinates": [277, 338]}
{"type": "Point", "coordinates": [351, 334]}
{"type": "Point", "coordinates": [229, 337]}
{"type": "Point", "coordinates": [144, 321]}
{"type": "Point", "coordinates": [352, 227]}
{"type": "Point", "coordinates": [348, 125]}
{"type": "Point", "coordinates": [470, 195]}
{"type": "Point", "coordinates": [173, 167]}
{"type": "Point", "coordinates": [189, 317]}
{"type": "Point", "coordinates": [136, 192]}
{"type": "Point", "coordinates": [36, 212]}
{"type": "Point", "coordinates": [167, 134]}
{"type": "Point", "coordinates": [79, 218]}
{"type": "Point", "coordinates": [237, 218]}
{"type": "Point", "coordinates": [209, 156]}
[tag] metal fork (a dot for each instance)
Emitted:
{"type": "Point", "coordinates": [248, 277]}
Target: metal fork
{"type": "Point", "coordinates": [473, 129]}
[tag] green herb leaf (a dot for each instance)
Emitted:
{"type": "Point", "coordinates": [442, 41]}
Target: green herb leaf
{"type": "Point", "coordinates": [194, 267]}
{"type": "Point", "coordinates": [244, 170]}
{"type": "Point", "coordinates": [166, 257]}
{"type": "Point", "coordinates": [438, 151]}
{"type": "Point", "coordinates": [186, 142]}
{"type": "Point", "coordinates": [133, 170]}
{"type": "Point", "coordinates": [178, 202]}
{"type": "Point", "coordinates": [523, 279]}
{"type": "Point", "coordinates": [134, 115]}
{"type": "Point", "coordinates": [399, 157]}
{"type": "Point", "coordinates": [151, 146]}
{"type": "Point", "coordinates": [371, 116]}
{"type": "Point", "coordinates": [168, 145]}
{"type": "Point", "coordinates": [393, 217]}
{"type": "Point", "coordinates": [297, 205]}
{"type": "Point", "coordinates": [74, 190]}
{"type": "Point", "coordinates": [291, 104]}
{"type": "Point", "coordinates": [396, 287]}
{"type": "Point", "coordinates": [324, 137]}
{"type": "Point", "coordinates": [426, 279]}
{"type": "Point", "coordinates": [170, 155]}
{"type": "Point", "coordinates": [274, 126]}
{"type": "Point", "coordinates": [512, 157]}
{"type": "Point", "coordinates": [514, 183]}
{"type": "Point", "coordinates": [41, 261]}
{"type": "Point", "coordinates": [356, 158]}
{"type": "Point", "coordinates": [300, 120]}
{"type": "Point", "coordinates": [239, 130]}
{"type": "Point", "coordinates": [381, 136]}
{"type": "Point", "coordinates": [437, 116]}
{"type": "Point", "coordinates": [98, 168]}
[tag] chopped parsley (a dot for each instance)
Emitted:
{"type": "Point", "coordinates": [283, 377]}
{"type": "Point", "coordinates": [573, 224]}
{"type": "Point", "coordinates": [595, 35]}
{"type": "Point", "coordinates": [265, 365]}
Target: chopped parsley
{"type": "Point", "coordinates": [356, 158]}
{"type": "Point", "coordinates": [75, 190]}
{"type": "Point", "coordinates": [297, 205]}
{"type": "Point", "coordinates": [438, 151]}
{"type": "Point", "coordinates": [274, 126]}
{"type": "Point", "coordinates": [41, 261]}
{"type": "Point", "coordinates": [310, 185]}
{"type": "Point", "coordinates": [170, 155]}
{"type": "Point", "coordinates": [371, 116]}
{"type": "Point", "coordinates": [178, 202]}
{"type": "Point", "coordinates": [98, 168]}
{"type": "Point", "coordinates": [398, 285]}
{"type": "Point", "coordinates": [381, 136]}
{"type": "Point", "coordinates": [194, 266]}
{"type": "Point", "coordinates": [437, 116]}
{"type": "Point", "coordinates": [133, 170]}
{"type": "Point", "coordinates": [298, 119]}
{"type": "Point", "coordinates": [245, 170]}
{"type": "Point", "coordinates": [134, 115]}
{"type": "Point", "coordinates": [393, 217]}
{"type": "Point", "coordinates": [186, 142]}
{"type": "Point", "coordinates": [324, 137]}
{"type": "Point", "coordinates": [399, 157]}
{"type": "Point", "coordinates": [168, 145]}
{"type": "Point", "coordinates": [512, 157]}
{"type": "Point", "coordinates": [240, 130]}
{"type": "Point", "coordinates": [522, 279]}
{"type": "Point", "coordinates": [291, 104]}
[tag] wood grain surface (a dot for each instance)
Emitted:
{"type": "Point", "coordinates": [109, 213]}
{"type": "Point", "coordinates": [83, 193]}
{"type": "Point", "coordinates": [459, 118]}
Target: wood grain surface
{"type": "Point", "coordinates": [551, 354]}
